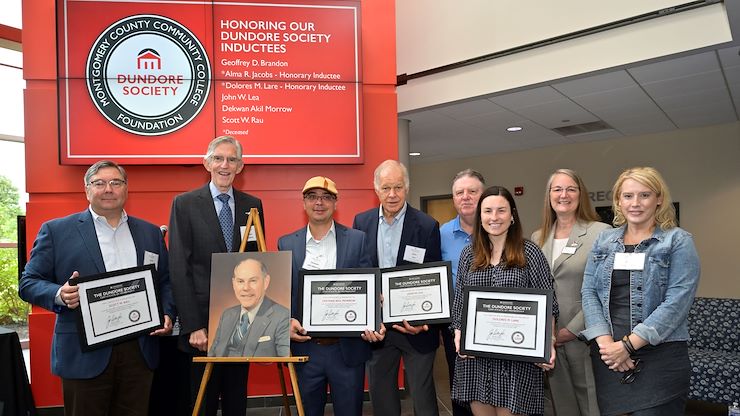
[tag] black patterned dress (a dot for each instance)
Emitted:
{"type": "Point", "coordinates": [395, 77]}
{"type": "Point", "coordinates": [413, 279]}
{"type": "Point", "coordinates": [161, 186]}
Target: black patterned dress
{"type": "Point", "coordinates": [515, 385]}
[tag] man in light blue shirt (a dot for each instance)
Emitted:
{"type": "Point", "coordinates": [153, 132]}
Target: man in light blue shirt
{"type": "Point", "coordinates": [455, 234]}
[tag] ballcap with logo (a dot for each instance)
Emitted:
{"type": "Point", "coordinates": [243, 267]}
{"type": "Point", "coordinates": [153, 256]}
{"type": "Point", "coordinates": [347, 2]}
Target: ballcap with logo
{"type": "Point", "coordinates": [321, 182]}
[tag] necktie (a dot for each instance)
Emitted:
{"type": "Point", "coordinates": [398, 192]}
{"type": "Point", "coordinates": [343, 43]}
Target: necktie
{"type": "Point", "coordinates": [241, 330]}
{"type": "Point", "coordinates": [226, 220]}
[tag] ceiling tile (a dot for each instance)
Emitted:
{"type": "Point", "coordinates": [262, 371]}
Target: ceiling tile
{"type": "Point", "coordinates": [675, 68]}
{"type": "Point", "coordinates": [595, 84]}
{"type": "Point", "coordinates": [528, 98]}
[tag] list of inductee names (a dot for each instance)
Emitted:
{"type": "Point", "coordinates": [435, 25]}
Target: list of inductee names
{"type": "Point", "coordinates": [288, 72]}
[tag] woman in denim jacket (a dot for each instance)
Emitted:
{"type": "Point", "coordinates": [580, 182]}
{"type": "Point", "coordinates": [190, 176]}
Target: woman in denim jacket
{"type": "Point", "coordinates": [638, 287]}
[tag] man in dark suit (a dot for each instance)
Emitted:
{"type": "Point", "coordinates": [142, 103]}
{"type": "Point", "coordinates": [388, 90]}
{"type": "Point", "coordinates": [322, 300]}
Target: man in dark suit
{"type": "Point", "coordinates": [338, 362]}
{"type": "Point", "coordinates": [202, 222]}
{"type": "Point", "coordinates": [399, 234]}
{"type": "Point", "coordinates": [112, 380]}
{"type": "Point", "coordinates": [257, 327]}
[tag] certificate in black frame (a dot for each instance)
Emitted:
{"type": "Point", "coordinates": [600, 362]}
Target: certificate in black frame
{"type": "Point", "coordinates": [417, 293]}
{"type": "Point", "coordinates": [117, 306]}
{"type": "Point", "coordinates": [326, 311]}
{"type": "Point", "coordinates": [508, 323]}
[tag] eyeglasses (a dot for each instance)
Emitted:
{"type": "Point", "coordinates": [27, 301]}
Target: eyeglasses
{"type": "Point", "coordinates": [631, 375]}
{"type": "Point", "coordinates": [217, 159]}
{"type": "Point", "coordinates": [100, 184]}
{"type": "Point", "coordinates": [387, 189]}
{"type": "Point", "coordinates": [568, 190]}
{"type": "Point", "coordinates": [317, 197]}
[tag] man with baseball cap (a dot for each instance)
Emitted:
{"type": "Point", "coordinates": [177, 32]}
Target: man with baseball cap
{"type": "Point", "coordinates": [338, 362]}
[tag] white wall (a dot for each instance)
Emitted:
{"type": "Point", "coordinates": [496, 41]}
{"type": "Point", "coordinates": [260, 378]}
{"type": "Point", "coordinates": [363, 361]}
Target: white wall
{"type": "Point", "coordinates": [701, 166]}
{"type": "Point", "coordinates": [431, 33]}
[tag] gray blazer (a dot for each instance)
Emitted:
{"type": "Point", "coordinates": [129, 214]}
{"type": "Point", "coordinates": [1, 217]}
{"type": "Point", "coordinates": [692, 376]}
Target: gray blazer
{"type": "Point", "coordinates": [267, 336]}
{"type": "Point", "coordinates": [568, 271]}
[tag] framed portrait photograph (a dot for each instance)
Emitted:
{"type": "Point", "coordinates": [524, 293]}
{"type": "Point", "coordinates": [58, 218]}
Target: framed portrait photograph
{"type": "Point", "coordinates": [118, 305]}
{"type": "Point", "coordinates": [507, 323]}
{"type": "Point", "coordinates": [418, 293]}
{"type": "Point", "coordinates": [249, 308]}
{"type": "Point", "coordinates": [340, 302]}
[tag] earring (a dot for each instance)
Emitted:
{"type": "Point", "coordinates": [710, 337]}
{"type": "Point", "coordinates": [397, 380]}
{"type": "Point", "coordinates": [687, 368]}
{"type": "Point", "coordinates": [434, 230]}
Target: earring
{"type": "Point", "coordinates": [512, 221]}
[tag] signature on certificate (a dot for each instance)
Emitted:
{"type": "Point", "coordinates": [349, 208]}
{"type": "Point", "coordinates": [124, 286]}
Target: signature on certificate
{"type": "Point", "coordinates": [408, 306]}
{"type": "Point", "coordinates": [495, 334]}
{"type": "Point", "coordinates": [330, 315]}
{"type": "Point", "coordinates": [114, 320]}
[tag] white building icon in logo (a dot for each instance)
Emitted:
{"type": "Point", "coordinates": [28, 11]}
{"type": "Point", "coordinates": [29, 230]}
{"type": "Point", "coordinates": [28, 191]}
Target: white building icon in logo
{"type": "Point", "coordinates": [148, 59]}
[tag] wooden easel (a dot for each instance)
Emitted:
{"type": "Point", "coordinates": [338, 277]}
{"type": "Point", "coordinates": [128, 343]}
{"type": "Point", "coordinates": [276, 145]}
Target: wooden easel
{"type": "Point", "coordinates": [253, 219]}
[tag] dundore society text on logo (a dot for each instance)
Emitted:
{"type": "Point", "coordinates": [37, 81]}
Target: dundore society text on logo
{"type": "Point", "coordinates": [148, 75]}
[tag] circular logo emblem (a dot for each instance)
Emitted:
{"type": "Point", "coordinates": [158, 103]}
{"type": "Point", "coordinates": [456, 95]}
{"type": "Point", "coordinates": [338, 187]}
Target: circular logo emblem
{"type": "Point", "coordinates": [517, 337]}
{"type": "Point", "coordinates": [426, 306]}
{"type": "Point", "coordinates": [148, 75]}
{"type": "Point", "coordinates": [134, 316]}
{"type": "Point", "coordinates": [350, 316]}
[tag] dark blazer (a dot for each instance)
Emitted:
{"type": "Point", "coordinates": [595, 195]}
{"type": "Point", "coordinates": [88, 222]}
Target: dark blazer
{"type": "Point", "coordinates": [419, 230]}
{"type": "Point", "coordinates": [195, 234]}
{"type": "Point", "coordinates": [268, 335]}
{"type": "Point", "coordinates": [64, 245]}
{"type": "Point", "coordinates": [350, 255]}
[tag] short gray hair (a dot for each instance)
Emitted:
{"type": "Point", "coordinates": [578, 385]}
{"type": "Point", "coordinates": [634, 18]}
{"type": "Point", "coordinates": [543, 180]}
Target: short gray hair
{"type": "Point", "coordinates": [387, 164]}
{"type": "Point", "coordinates": [92, 170]}
{"type": "Point", "coordinates": [221, 140]}
{"type": "Point", "coordinates": [470, 173]}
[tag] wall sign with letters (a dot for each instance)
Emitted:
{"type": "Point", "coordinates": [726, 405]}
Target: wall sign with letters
{"type": "Point", "coordinates": [152, 82]}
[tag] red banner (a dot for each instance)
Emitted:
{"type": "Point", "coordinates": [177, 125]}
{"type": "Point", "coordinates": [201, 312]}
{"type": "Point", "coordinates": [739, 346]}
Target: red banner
{"type": "Point", "coordinates": [153, 82]}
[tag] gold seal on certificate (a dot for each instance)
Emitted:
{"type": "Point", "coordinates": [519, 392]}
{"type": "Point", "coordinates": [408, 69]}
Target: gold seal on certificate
{"type": "Point", "coordinates": [341, 302]}
{"type": "Point", "coordinates": [508, 323]}
{"type": "Point", "coordinates": [117, 306]}
{"type": "Point", "coordinates": [418, 293]}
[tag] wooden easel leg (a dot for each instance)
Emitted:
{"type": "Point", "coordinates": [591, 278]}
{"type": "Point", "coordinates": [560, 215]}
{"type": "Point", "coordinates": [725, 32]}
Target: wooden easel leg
{"type": "Point", "coordinates": [296, 391]}
{"type": "Point", "coordinates": [202, 390]}
{"type": "Point", "coordinates": [281, 377]}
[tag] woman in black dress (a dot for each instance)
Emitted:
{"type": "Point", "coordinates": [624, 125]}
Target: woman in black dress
{"type": "Point", "coordinates": [499, 256]}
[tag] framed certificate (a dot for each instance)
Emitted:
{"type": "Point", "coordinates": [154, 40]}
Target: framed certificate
{"type": "Point", "coordinates": [340, 302]}
{"type": "Point", "coordinates": [418, 293]}
{"type": "Point", "coordinates": [507, 323]}
{"type": "Point", "coordinates": [117, 306]}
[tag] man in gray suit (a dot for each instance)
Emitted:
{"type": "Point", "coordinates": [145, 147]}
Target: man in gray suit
{"type": "Point", "coordinates": [202, 222]}
{"type": "Point", "coordinates": [257, 327]}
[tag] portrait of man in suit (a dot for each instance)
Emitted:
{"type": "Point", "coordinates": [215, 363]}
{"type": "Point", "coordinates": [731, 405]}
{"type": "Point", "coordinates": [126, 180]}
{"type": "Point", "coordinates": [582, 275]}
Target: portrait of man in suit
{"type": "Point", "coordinates": [114, 379]}
{"type": "Point", "coordinates": [257, 326]}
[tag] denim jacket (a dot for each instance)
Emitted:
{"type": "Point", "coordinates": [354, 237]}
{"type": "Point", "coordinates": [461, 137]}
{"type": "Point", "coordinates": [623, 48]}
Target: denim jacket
{"type": "Point", "coordinates": [660, 295]}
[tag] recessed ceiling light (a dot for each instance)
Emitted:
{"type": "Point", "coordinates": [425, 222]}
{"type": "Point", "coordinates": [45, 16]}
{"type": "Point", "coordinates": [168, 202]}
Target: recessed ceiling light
{"type": "Point", "coordinates": [414, 153]}
{"type": "Point", "coordinates": [514, 128]}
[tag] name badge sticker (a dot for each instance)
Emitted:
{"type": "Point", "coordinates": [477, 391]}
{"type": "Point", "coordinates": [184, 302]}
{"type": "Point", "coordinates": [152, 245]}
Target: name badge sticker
{"type": "Point", "coordinates": [151, 258]}
{"type": "Point", "coordinates": [252, 236]}
{"type": "Point", "coordinates": [414, 254]}
{"type": "Point", "coordinates": [571, 249]}
{"type": "Point", "coordinates": [629, 261]}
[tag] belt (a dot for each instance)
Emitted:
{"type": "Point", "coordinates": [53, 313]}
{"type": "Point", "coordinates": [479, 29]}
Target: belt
{"type": "Point", "coordinates": [325, 341]}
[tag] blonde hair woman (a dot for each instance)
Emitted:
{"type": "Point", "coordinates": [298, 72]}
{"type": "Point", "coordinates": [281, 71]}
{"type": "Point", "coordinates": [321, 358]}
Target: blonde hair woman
{"type": "Point", "coordinates": [638, 287]}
